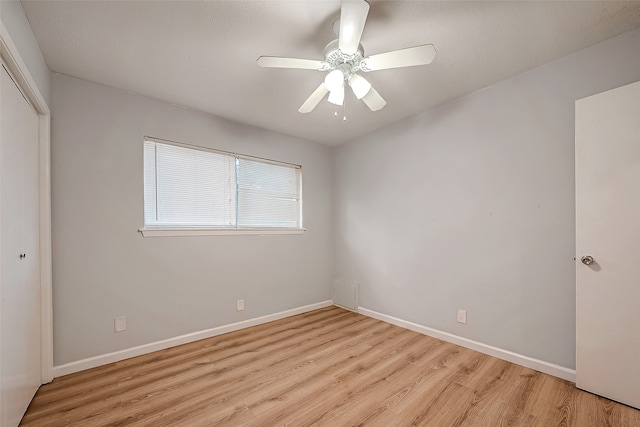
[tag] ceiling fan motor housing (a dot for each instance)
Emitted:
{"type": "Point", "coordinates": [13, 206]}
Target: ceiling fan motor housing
{"type": "Point", "coordinates": [348, 64]}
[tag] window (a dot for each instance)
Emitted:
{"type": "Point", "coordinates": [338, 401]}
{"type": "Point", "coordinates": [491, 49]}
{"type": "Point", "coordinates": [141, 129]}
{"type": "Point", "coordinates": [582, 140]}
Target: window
{"type": "Point", "coordinates": [193, 190]}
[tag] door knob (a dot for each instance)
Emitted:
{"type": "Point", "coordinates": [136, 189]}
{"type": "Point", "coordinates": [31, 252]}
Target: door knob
{"type": "Point", "coordinates": [587, 260]}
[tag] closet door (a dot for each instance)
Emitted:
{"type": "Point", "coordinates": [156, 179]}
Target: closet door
{"type": "Point", "coordinates": [20, 330]}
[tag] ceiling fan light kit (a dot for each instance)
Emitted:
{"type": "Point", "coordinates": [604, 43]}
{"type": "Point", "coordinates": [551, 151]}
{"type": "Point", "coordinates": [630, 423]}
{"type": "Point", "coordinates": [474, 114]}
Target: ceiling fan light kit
{"type": "Point", "coordinates": [334, 80]}
{"type": "Point", "coordinates": [336, 97]}
{"type": "Point", "coordinates": [359, 85]}
{"type": "Point", "coordinates": [344, 57]}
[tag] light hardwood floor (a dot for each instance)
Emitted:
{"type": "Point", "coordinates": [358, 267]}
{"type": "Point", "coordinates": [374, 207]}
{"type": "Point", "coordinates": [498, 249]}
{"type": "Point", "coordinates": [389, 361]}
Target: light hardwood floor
{"type": "Point", "coordinates": [327, 367]}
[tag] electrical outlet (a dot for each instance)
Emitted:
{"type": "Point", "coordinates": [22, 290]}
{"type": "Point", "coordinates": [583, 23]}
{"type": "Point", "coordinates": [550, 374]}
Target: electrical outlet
{"type": "Point", "coordinates": [462, 316]}
{"type": "Point", "coordinates": [240, 305]}
{"type": "Point", "coordinates": [120, 324]}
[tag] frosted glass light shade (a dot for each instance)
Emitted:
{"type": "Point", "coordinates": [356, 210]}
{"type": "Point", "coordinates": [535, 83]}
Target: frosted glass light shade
{"type": "Point", "coordinates": [334, 80]}
{"type": "Point", "coordinates": [359, 85]}
{"type": "Point", "coordinates": [336, 96]}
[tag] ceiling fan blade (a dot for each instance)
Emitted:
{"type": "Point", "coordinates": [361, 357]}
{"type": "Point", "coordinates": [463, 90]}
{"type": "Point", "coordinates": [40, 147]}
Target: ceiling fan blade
{"type": "Point", "coordinates": [353, 16]}
{"type": "Point", "coordinates": [373, 100]}
{"type": "Point", "coordinates": [314, 99]}
{"type": "Point", "coordinates": [418, 55]}
{"type": "Point", "coordinates": [278, 62]}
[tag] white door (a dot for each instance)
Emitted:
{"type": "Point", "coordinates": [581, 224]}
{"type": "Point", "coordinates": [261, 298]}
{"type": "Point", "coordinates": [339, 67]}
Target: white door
{"type": "Point", "coordinates": [608, 231]}
{"type": "Point", "coordinates": [20, 353]}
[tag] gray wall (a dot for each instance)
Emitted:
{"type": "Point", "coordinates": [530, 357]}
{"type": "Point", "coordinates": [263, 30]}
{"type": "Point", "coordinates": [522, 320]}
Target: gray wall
{"type": "Point", "coordinates": [468, 205]}
{"type": "Point", "coordinates": [471, 205]}
{"type": "Point", "coordinates": [14, 19]}
{"type": "Point", "coordinates": [166, 286]}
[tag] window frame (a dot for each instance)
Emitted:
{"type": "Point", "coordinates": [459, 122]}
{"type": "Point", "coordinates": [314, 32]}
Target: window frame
{"type": "Point", "coordinates": [173, 231]}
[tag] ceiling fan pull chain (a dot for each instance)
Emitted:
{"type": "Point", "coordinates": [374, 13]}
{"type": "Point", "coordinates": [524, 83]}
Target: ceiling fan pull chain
{"type": "Point", "coordinates": [344, 110]}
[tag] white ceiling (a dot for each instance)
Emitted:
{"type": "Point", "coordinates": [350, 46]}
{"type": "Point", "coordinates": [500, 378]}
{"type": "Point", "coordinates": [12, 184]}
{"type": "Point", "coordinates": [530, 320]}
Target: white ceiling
{"type": "Point", "coordinates": [201, 54]}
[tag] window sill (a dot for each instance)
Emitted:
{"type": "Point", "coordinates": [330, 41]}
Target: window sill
{"type": "Point", "coordinates": [175, 232]}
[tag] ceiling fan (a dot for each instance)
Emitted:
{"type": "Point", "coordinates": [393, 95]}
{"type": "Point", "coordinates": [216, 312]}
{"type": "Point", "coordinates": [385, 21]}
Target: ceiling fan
{"type": "Point", "coordinates": [344, 58]}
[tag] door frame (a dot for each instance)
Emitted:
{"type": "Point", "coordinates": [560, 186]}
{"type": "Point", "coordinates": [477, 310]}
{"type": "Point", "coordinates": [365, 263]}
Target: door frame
{"type": "Point", "coordinates": [13, 61]}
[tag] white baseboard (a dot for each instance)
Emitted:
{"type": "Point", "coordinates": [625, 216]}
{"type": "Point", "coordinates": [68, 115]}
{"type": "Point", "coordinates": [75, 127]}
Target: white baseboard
{"type": "Point", "coordinates": [518, 359]}
{"type": "Point", "coordinates": [345, 307]}
{"type": "Point", "coordinates": [92, 362]}
{"type": "Point", "coordinates": [116, 356]}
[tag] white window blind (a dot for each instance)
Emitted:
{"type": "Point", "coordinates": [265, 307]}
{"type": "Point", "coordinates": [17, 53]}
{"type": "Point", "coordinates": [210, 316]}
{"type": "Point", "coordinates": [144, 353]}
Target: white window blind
{"type": "Point", "coordinates": [268, 195]}
{"type": "Point", "coordinates": [190, 187]}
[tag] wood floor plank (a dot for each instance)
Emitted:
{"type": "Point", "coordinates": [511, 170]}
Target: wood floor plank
{"type": "Point", "coordinates": [157, 375]}
{"type": "Point", "coordinates": [260, 369]}
{"type": "Point", "coordinates": [94, 380]}
{"type": "Point", "coordinates": [375, 391]}
{"type": "Point", "coordinates": [328, 367]}
{"type": "Point", "coordinates": [346, 383]}
{"type": "Point", "coordinates": [274, 384]}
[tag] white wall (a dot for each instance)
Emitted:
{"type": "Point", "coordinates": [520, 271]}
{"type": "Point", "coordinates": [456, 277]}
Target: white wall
{"type": "Point", "coordinates": [471, 205]}
{"type": "Point", "coordinates": [16, 23]}
{"type": "Point", "coordinates": [165, 286]}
